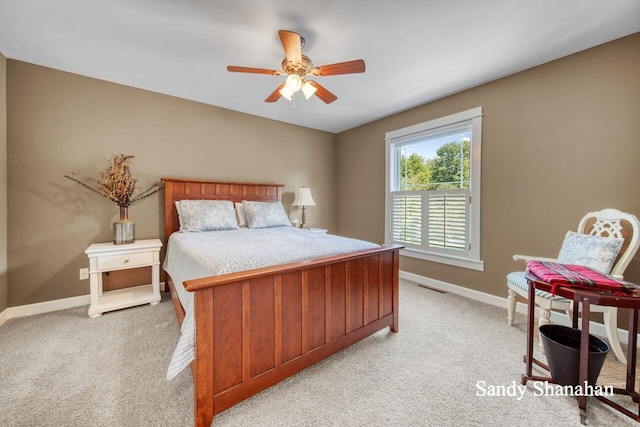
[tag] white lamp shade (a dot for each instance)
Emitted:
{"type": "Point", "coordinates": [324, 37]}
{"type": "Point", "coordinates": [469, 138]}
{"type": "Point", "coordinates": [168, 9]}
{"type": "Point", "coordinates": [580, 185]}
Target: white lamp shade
{"type": "Point", "coordinates": [286, 92]}
{"type": "Point", "coordinates": [308, 89]}
{"type": "Point", "coordinates": [304, 198]}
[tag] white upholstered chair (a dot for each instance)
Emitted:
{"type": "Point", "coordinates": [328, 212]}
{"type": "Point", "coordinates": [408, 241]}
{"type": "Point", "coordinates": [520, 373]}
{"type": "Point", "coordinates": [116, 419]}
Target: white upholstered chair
{"type": "Point", "coordinates": [609, 223]}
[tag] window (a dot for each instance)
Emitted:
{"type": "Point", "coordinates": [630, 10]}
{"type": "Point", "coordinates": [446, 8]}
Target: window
{"type": "Point", "coordinates": [433, 189]}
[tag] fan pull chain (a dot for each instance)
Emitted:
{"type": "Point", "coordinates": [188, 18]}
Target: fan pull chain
{"type": "Point", "coordinates": [293, 98]}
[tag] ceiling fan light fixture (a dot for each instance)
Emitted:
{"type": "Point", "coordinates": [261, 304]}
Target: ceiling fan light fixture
{"type": "Point", "coordinates": [308, 89]}
{"type": "Point", "coordinates": [296, 67]}
{"type": "Point", "coordinates": [286, 92]}
{"type": "Point", "coordinates": [294, 83]}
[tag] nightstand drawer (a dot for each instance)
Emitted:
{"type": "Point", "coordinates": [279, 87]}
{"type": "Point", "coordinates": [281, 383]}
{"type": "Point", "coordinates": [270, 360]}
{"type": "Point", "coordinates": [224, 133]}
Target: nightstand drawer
{"type": "Point", "coordinates": [124, 261]}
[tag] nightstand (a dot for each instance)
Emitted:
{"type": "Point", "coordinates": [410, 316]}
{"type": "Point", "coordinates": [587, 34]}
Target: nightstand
{"type": "Point", "coordinates": [105, 257]}
{"type": "Point", "coordinates": [318, 230]}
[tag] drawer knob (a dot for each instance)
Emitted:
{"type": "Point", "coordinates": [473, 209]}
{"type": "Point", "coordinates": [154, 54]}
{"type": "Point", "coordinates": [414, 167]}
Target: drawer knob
{"type": "Point", "coordinates": [126, 260]}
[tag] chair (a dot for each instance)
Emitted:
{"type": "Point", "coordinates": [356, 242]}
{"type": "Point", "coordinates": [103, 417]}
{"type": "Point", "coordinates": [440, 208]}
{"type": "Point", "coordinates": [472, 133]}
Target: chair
{"type": "Point", "coordinates": [608, 223]}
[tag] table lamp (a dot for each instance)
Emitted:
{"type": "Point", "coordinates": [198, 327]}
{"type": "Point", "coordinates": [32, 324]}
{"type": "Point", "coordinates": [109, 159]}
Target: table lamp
{"type": "Point", "coordinates": [304, 198]}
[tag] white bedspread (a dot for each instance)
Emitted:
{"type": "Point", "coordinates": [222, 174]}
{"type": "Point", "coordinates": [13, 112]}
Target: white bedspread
{"type": "Point", "coordinates": [212, 253]}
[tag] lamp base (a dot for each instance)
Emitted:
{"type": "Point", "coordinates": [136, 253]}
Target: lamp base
{"type": "Point", "coordinates": [304, 220]}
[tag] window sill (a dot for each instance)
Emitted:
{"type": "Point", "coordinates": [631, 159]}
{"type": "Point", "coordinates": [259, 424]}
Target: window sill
{"type": "Point", "coordinates": [444, 259]}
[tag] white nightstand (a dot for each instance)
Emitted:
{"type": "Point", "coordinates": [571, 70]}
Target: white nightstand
{"type": "Point", "coordinates": [318, 230]}
{"type": "Point", "coordinates": [109, 257]}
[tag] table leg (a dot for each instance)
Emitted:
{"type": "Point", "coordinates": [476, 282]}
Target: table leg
{"type": "Point", "coordinates": [584, 359]}
{"type": "Point", "coordinates": [632, 352]}
{"type": "Point", "coordinates": [530, 320]}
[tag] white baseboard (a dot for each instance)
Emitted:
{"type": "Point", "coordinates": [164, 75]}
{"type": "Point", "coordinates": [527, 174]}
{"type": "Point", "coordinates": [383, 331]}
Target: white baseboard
{"type": "Point", "coordinates": [43, 307]}
{"type": "Point", "coordinates": [557, 318]}
{"type": "Point", "coordinates": [3, 316]}
{"type": "Point", "coordinates": [46, 307]}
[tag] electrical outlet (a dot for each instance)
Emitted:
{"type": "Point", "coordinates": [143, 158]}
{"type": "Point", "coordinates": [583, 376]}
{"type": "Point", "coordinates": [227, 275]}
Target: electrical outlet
{"type": "Point", "coordinates": [84, 273]}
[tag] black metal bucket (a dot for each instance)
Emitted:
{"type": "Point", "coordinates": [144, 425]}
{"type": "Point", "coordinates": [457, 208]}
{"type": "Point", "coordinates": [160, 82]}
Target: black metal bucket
{"type": "Point", "coordinates": [562, 347]}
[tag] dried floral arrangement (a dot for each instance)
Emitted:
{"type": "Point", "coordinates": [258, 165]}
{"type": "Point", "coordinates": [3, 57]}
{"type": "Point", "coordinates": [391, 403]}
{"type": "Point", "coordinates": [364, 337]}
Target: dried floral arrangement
{"type": "Point", "coordinates": [116, 183]}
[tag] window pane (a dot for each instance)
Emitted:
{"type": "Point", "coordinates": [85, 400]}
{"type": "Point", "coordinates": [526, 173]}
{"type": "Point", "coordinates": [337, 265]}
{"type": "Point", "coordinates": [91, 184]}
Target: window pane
{"type": "Point", "coordinates": [438, 162]}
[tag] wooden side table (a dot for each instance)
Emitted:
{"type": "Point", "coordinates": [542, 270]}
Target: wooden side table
{"type": "Point", "coordinates": [105, 257]}
{"type": "Point", "coordinates": [586, 298]}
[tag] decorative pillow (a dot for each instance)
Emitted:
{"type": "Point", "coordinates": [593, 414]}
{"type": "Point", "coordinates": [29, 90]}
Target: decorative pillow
{"type": "Point", "coordinates": [206, 215]}
{"type": "Point", "coordinates": [265, 214]}
{"type": "Point", "coordinates": [242, 219]}
{"type": "Point", "coordinates": [596, 252]}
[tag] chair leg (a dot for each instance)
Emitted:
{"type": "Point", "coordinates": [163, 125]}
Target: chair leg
{"type": "Point", "coordinates": [511, 307]}
{"type": "Point", "coordinates": [611, 329]}
{"type": "Point", "coordinates": [545, 315]}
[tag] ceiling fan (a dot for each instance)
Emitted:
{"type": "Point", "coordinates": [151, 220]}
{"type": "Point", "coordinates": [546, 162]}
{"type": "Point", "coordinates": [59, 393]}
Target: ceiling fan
{"type": "Point", "coordinates": [297, 66]}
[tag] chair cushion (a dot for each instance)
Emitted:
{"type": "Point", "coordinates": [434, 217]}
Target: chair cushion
{"type": "Point", "coordinates": [596, 252]}
{"type": "Point", "coordinates": [518, 279]}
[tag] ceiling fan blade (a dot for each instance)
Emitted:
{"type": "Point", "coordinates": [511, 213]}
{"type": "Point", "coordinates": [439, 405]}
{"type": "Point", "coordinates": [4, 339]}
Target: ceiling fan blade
{"type": "Point", "coordinates": [292, 46]}
{"type": "Point", "coordinates": [235, 69]}
{"type": "Point", "coordinates": [323, 93]}
{"type": "Point", "coordinates": [349, 67]}
{"type": "Point", "coordinates": [275, 95]}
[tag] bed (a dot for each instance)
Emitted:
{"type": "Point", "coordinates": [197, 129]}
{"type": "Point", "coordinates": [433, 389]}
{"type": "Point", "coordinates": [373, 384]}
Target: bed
{"type": "Point", "coordinates": [255, 328]}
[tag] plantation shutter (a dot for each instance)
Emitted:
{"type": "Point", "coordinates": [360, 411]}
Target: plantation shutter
{"type": "Point", "coordinates": [448, 220]}
{"type": "Point", "coordinates": [407, 207]}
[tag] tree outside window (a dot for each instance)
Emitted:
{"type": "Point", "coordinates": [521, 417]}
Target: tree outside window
{"type": "Point", "coordinates": [449, 169]}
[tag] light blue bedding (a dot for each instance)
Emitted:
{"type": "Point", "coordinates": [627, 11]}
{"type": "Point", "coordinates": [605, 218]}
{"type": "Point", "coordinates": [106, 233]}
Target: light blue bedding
{"type": "Point", "coordinates": [212, 253]}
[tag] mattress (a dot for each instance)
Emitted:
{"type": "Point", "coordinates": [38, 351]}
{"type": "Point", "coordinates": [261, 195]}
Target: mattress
{"type": "Point", "coordinates": [211, 253]}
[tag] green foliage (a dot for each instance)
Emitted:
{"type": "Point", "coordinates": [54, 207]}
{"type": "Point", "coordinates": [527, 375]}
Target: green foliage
{"type": "Point", "coordinates": [414, 172]}
{"type": "Point", "coordinates": [442, 172]}
{"type": "Point", "coordinates": [445, 169]}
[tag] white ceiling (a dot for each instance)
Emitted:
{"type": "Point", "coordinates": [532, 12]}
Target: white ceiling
{"type": "Point", "coordinates": [415, 50]}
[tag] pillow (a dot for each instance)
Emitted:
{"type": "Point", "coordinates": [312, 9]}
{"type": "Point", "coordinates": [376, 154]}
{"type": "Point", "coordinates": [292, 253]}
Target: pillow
{"type": "Point", "coordinates": [596, 252]}
{"type": "Point", "coordinates": [265, 214]}
{"type": "Point", "coordinates": [206, 215]}
{"type": "Point", "coordinates": [240, 216]}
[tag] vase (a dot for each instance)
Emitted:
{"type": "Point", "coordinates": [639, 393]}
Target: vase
{"type": "Point", "coordinates": [124, 230]}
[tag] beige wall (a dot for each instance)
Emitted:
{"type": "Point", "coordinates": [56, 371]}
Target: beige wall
{"type": "Point", "coordinates": [558, 140]}
{"type": "Point", "coordinates": [3, 183]}
{"type": "Point", "coordinates": [60, 123]}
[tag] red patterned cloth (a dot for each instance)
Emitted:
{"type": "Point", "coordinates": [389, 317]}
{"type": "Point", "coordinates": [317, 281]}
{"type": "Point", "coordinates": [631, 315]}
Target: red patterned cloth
{"type": "Point", "coordinates": [578, 276]}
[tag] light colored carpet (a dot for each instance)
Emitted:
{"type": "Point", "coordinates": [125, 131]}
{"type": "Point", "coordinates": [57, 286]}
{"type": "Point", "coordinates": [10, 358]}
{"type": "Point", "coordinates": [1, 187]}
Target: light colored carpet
{"type": "Point", "coordinates": [63, 368]}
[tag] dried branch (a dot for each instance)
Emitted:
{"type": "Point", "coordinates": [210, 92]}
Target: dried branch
{"type": "Point", "coordinates": [117, 184]}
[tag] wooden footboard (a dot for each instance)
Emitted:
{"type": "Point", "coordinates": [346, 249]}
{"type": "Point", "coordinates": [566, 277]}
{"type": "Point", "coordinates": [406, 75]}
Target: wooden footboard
{"type": "Point", "coordinates": [256, 328]}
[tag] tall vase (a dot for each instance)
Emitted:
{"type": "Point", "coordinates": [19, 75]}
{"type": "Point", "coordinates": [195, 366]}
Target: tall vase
{"type": "Point", "coordinates": [124, 230]}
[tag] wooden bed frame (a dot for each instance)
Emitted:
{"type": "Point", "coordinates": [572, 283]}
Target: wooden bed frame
{"type": "Point", "coordinates": [255, 328]}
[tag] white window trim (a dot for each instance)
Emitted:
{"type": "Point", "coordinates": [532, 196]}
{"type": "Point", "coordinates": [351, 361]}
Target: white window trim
{"type": "Point", "coordinates": [473, 262]}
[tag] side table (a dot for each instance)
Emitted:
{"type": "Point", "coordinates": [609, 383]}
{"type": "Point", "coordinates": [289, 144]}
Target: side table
{"type": "Point", "coordinates": [586, 298]}
{"type": "Point", "coordinates": [105, 257]}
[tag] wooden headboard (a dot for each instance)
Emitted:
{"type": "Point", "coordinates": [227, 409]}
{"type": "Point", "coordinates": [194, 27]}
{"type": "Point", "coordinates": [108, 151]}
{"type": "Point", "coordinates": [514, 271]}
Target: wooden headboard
{"type": "Point", "coordinates": [180, 189]}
